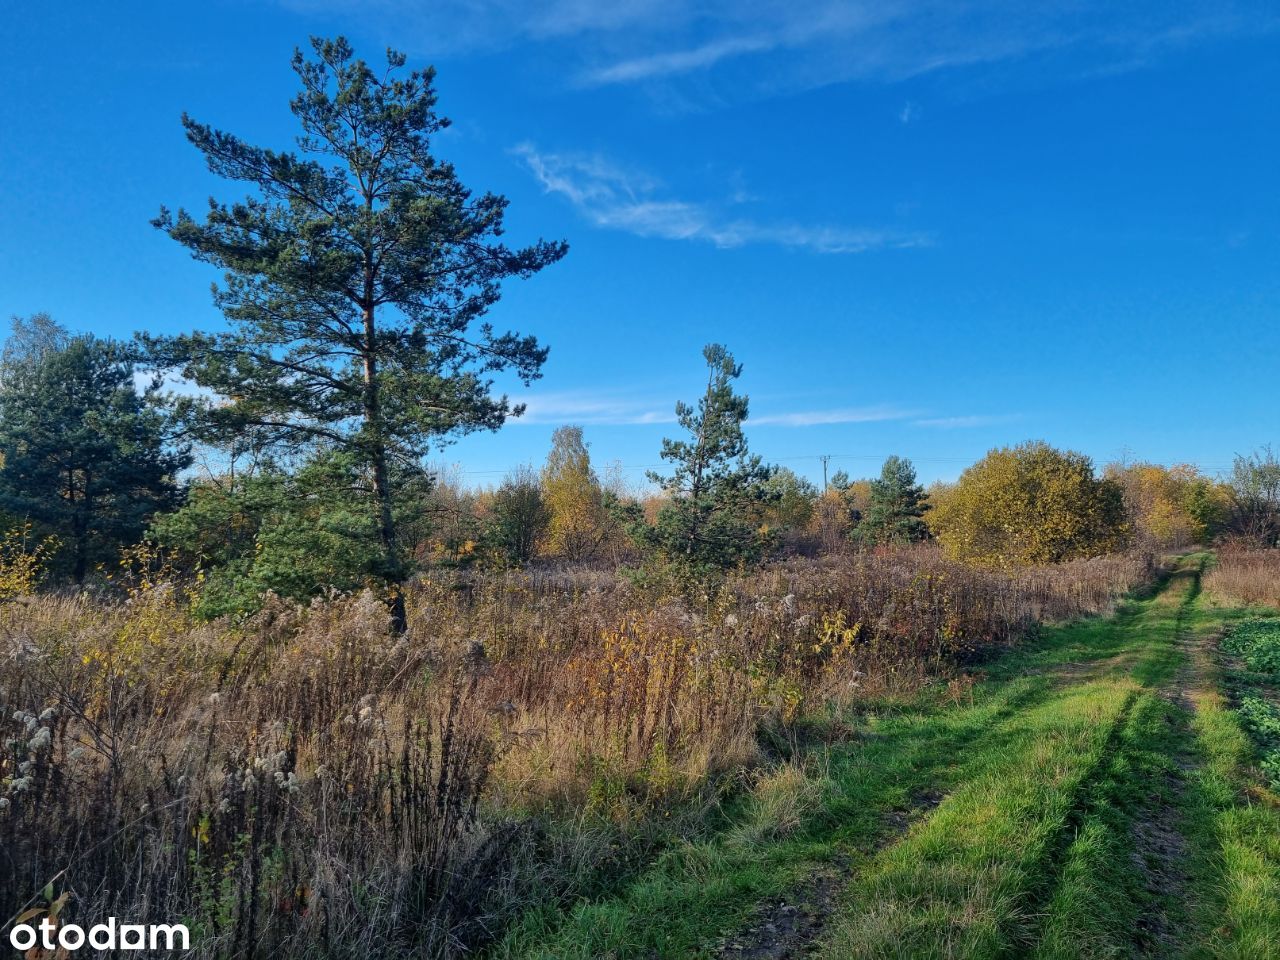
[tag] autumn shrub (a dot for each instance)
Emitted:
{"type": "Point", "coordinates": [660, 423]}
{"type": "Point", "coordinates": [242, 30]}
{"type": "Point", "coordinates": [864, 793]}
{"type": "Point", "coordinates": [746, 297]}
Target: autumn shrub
{"type": "Point", "coordinates": [1171, 508]}
{"type": "Point", "coordinates": [303, 782]}
{"type": "Point", "coordinates": [22, 561]}
{"type": "Point", "coordinates": [1030, 504]}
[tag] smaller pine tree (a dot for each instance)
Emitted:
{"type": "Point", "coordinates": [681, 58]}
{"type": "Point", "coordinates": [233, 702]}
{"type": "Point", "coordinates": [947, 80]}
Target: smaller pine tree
{"type": "Point", "coordinates": [717, 487]}
{"type": "Point", "coordinates": [896, 508]}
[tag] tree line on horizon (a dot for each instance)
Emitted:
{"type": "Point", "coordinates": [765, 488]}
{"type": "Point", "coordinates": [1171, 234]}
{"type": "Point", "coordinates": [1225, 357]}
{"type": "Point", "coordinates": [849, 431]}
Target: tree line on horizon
{"type": "Point", "coordinates": [98, 463]}
{"type": "Point", "coordinates": [358, 276]}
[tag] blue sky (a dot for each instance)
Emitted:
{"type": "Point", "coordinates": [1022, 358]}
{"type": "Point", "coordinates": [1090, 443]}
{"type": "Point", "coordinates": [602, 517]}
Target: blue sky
{"type": "Point", "coordinates": [925, 228]}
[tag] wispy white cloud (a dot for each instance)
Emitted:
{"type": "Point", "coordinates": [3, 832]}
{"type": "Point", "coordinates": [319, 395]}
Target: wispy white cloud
{"type": "Point", "coordinates": [622, 408]}
{"type": "Point", "coordinates": [588, 408]}
{"type": "Point", "coordinates": [740, 30]}
{"type": "Point", "coordinates": [785, 45]}
{"type": "Point", "coordinates": [453, 26]}
{"type": "Point", "coordinates": [974, 420]}
{"type": "Point", "coordinates": [813, 418]}
{"type": "Point", "coordinates": [794, 46]}
{"type": "Point", "coordinates": [619, 199]}
{"type": "Point", "coordinates": [676, 61]}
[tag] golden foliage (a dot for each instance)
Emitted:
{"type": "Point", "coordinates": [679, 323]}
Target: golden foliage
{"type": "Point", "coordinates": [1171, 507]}
{"type": "Point", "coordinates": [22, 562]}
{"type": "Point", "coordinates": [574, 498]}
{"type": "Point", "coordinates": [1030, 504]}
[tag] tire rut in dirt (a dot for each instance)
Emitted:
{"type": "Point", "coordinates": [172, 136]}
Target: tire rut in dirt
{"type": "Point", "coordinates": [1160, 846]}
{"type": "Point", "coordinates": [790, 927]}
{"type": "Point", "coordinates": [1056, 853]}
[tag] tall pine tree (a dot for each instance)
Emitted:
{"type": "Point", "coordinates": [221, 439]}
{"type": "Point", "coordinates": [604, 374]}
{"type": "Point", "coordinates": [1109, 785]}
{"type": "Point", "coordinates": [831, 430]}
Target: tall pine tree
{"type": "Point", "coordinates": [358, 277]}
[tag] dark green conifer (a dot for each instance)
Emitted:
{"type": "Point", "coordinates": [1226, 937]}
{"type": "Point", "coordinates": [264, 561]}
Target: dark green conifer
{"type": "Point", "coordinates": [357, 280]}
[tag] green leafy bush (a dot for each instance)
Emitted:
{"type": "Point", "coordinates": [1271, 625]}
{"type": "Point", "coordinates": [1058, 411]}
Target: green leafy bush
{"type": "Point", "coordinates": [1257, 643]}
{"type": "Point", "coordinates": [1262, 720]}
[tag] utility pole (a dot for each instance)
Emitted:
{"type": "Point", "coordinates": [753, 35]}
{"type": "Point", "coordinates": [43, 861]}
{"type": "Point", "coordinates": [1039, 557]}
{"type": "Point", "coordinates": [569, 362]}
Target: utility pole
{"type": "Point", "coordinates": [826, 457]}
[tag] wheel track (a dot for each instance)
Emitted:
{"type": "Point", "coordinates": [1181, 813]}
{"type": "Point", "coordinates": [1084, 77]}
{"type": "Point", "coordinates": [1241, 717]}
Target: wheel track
{"type": "Point", "coordinates": [792, 926]}
{"type": "Point", "coordinates": [1159, 846]}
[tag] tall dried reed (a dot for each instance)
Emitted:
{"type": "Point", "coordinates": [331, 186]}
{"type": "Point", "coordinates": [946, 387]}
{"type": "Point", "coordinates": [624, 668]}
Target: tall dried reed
{"type": "Point", "coordinates": [306, 784]}
{"type": "Point", "coordinates": [1247, 575]}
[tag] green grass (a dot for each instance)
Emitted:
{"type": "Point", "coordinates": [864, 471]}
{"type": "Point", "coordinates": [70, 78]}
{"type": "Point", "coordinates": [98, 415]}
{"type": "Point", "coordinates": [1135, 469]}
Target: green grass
{"type": "Point", "coordinates": [694, 894]}
{"type": "Point", "coordinates": [1104, 904]}
{"type": "Point", "coordinates": [1254, 679]}
{"type": "Point", "coordinates": [961, 885]}
{"type": "Point", "coordinates": [1087, 811]}
{"type": "Point", "coordinates": [1031, 855]}
{"type": "Point", "coordinates": [1237, 842]}
{"type": "Point", "coordinates": [1239, 822]}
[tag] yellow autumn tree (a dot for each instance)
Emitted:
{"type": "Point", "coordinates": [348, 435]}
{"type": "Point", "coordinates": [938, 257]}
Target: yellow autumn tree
{"type": "Point", "coordinates": [22, 561]}
{"type": "Point", "coordinates": [838, 510]}
{"type": "Point", "coordinates": [1030, 504]}
{"type": "Point", "coordinates": [1170, 507]}
{"type": "Point", "coordinates": [858, 496]}
{"type": "Point", "coordinates": [577, 524]}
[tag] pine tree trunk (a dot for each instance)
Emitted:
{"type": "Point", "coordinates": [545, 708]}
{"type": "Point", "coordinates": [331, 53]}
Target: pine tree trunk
{"type": "Point", "coordinates": [381, 476]}
{"type": "Point", "coordinates": [79, 528]}
{"type": "Point", "coordinates": [387, 535]}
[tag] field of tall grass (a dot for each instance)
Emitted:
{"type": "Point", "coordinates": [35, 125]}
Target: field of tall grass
{"type": "Point", "coordinates": [1250, 576]}
{"type": "Point", "coordinates": [304, 782]}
